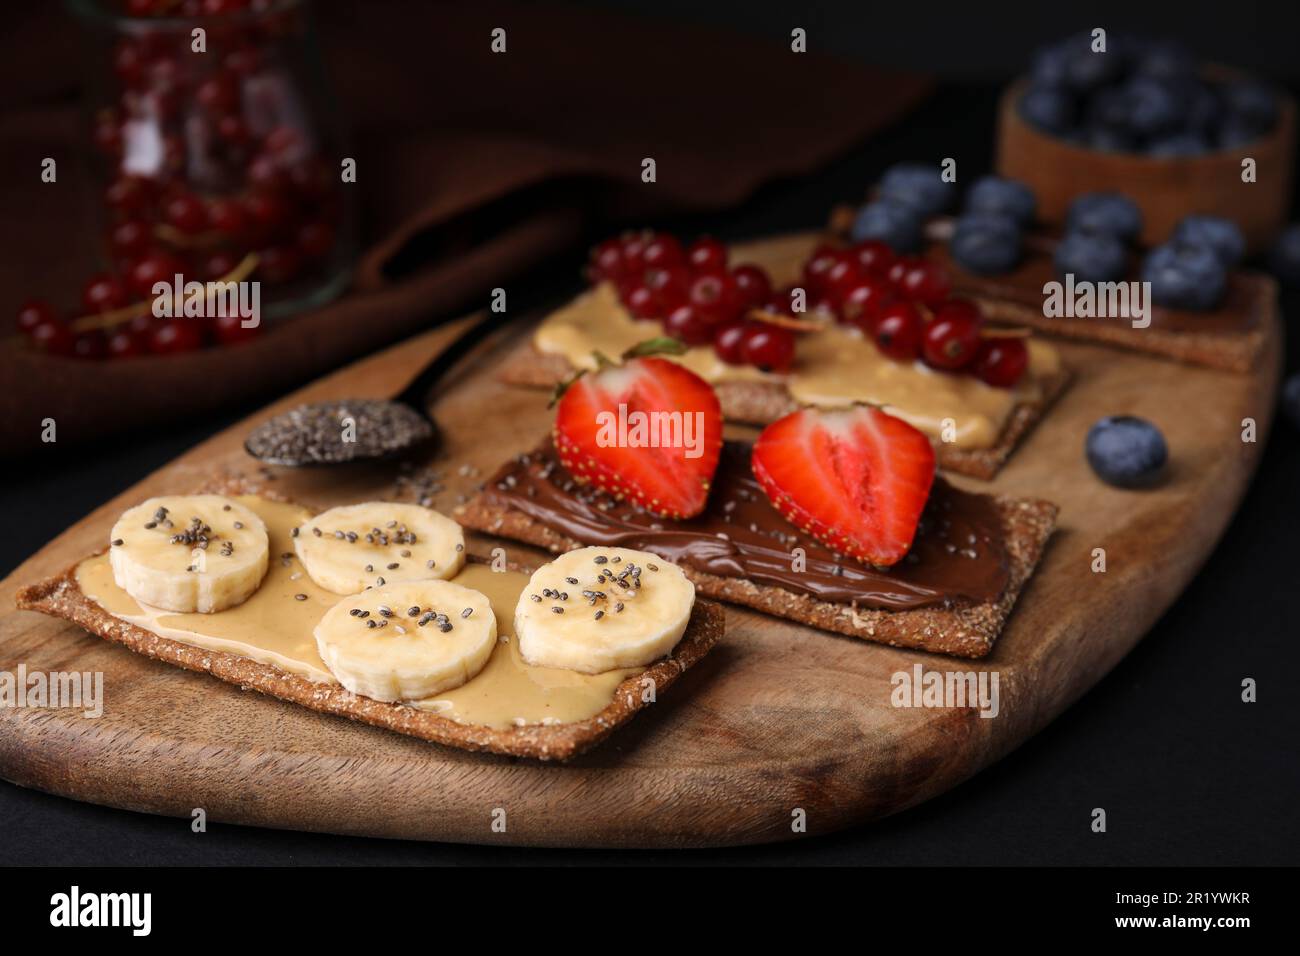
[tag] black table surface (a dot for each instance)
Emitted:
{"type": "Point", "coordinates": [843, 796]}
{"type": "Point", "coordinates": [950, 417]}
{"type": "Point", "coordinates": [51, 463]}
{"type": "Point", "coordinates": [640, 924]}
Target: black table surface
{"type": "Point", "coordinates": [1188, 774]}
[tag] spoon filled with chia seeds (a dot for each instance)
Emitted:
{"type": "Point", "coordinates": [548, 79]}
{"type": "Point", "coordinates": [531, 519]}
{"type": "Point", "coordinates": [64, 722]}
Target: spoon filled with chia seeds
{"type": "Point", "coordinates": [362, 429]}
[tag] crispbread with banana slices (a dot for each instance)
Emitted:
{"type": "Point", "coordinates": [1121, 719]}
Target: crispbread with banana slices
{"type": "Point", "coordinates": [62, 596]}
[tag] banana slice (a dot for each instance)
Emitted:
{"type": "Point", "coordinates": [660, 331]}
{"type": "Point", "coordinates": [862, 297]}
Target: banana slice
{"type": "Point", "coordinates": [595, 609]}
{"type": "Point", "coordinates": [189, 553]}
{"type": "Point", "coordinates": [407, 641]}
{"type": "Point", "coordinates": [347, 549]}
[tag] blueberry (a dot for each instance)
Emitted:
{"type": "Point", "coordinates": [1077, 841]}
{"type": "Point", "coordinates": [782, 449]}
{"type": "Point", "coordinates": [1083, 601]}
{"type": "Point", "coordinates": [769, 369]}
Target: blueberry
{"type": "Point", "coordinates": [1284, 258]}
{"type": "Point", "coordinates": [1108, 107]}
{"type": "Point", "coordinates": [1005, 197]}
{"type": "Point", "coordinates": [1204, 110]}
{"type": "Point", "coordinates": [1086, 70]}
{"type": "Point", "coordinates": [1252, 104]}
{"type": "Point", "coordinates": [1164, 60]}
{"type": "Point", "coordinates": [1154, 106]}
{"type": "Point", "coordinates": [919, 185]}
{"type": "Point", "coordinates": [1234, 133]}
{"type": "Point", "coordinates": [1050, 108]}
{"type": "Point", "coordinates": [893, 223]}
{"type": "Point", "coordinates": [1091, 257]}
{"type": "Point", "coordinates": [986, 243]}
{"type": "Point", "coordinates": [1126, 451]}
{"type": "Point", "coordinates": [1111, 213]}
{"type": "Point", "coordinates": [1175, 145]}
{"type": "Point", "coordinates": [1109, 139]}
{"type": "Point", "coordinates": [1291, 399]}
{"type": "Point", "coordinates": [1184, 275]}
{"type": "Point", "coordinates": [1223, 236]}
{"type": "Point", "coordinates": [1050, 66]}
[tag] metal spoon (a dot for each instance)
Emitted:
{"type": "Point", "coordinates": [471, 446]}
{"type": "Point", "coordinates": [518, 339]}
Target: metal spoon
{"type": "Point", "coordinates": [363, 429]}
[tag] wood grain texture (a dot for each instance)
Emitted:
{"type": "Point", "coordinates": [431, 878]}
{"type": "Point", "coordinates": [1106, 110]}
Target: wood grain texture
{"type": "Point", "coordinates": [778, 717]}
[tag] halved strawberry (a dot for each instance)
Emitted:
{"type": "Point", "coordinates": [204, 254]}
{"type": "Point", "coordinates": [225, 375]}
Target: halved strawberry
{"type": "Point", "coordinates": [648, 430]}
{"type": "Point", "coordinates": [855, 479]}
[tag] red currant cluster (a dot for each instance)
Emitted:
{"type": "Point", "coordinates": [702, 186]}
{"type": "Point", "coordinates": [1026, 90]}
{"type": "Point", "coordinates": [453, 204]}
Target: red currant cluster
{"type": "Point", "coordinates": [697, 296]}
{"type": "Point", "coordinates": [903, 304]}
{"type": "Point", "coordinates": [209, 173]}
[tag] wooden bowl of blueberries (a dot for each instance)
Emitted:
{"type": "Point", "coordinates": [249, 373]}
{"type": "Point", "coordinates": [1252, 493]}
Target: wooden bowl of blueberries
{"type": "Point", "coordinates": [1115, 114]}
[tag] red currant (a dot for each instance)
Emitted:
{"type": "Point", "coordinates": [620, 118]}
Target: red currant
{"type": "Point", "coordinates": [267, 211]}
{"type": "Point", "coordinates": [279, 263]}
{"type": "Point", "coordinates": [219, 265]}
{"type": "Point", "coordinates": [707, 255]}
{"type": "Point", "coordinates": [90, 345]}
{"type": "Point", "coordinates": [227, 216]}
{"type": "Point", "coordinates": [717, 294]}
{"type": "Point", "coordinates": [152, 269]}
{"type": "Point", "coordinates": [32, 313]}
{"type": "Point", "coordinates": [230, 330]}
{"type": "Point", "coordinates": [176, 335]}
{"type": "Point", "coordinates": [873, 257]}
{"type": "Point", "coordinates": [125, 344]}
{"type": "Point", "coordinates": [218, 94]}
{"type": "Point", "coordinates": [186, 212]}
{"type": "Point", "coordinates": [126, 196]}
{"type": "Point", "coordinates": [641, 302]}
{"type": "Point", "coordinates": [815, 270]}
{"type": "Point", "coordinates": [898, 331]}
{"type": "Point", "coordinates": [953, 336]}
{"type": "Point", "coordinates": [862, 304]}
{"type": "Point", "coordinates": [925, 281]}
{"type": "Point", "coordinates": [1001, 362]}
{"type": "Point", "coordinates": [754, 286]}
{"type": "Point", "coordinates": [104, 293]}
{"type": "Point", "coordinates": [671, 287]}
{"type": "Point", "coordinates": [129, 239]}
{"type": "Point", "coordinates": [233, 130]}
{"type": "Point", "coordinates": [53, 338]}
{"type": "Point", "coordinates": [768, 347]}
{"type": "Point", "coordinates": [634, 244]}
{"type": "Point", "coordinates": [728, 339]}
{"type": "Point", "coordinates": [663, 252]}
{"type": "Point", "coordinates": [606, 261]}
{"type": "Point", "coordinates": [689, 324]}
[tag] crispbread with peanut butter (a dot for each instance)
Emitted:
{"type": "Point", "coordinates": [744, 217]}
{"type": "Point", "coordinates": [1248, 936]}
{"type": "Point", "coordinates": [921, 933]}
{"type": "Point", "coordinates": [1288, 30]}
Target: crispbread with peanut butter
{"type": "Point", "coordinates": [755, 402]}
{"type": "Point", "coordinates": [63, 596]}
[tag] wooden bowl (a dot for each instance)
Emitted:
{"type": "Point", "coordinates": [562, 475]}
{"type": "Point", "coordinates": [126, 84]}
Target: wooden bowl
{"type": "Point", "coordinates": [1166, 189]}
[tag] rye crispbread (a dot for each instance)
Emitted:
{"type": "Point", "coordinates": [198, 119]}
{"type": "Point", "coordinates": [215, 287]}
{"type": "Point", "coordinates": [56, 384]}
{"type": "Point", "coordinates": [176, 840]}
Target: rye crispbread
{"type": "Point", "coordinates": [761, 403]}
{"type": "Point", "coordinates": [61, 596]}
{"type": "Point", "coordinates": [963, 629]}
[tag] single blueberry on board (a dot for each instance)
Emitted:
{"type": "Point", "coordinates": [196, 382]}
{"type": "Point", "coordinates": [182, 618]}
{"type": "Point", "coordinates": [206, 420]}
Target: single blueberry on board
{"type": "Point", "coordinates": [893, 223]}
{"type": "Point", "coordinates": [1284, 257]}
{"type": "Point", "coordinates": [920, 185]}
{"type": "Point", "coordinates": [1003, 197]}
{"type": "Point", "coordinates": [986, 243]}
{"type": "Point", "coordinates": [1111, 213]}
{"type": "Point", "coordinates": [1184, 275]}
{"type": "Point", "coordinates": [1126, 451]}
{"type": "Point", "coordinates": [1091, 257]}
{"type": "Point", "coordinates": [1223, 236]}
{"type": "Point", "coordinates": [1050, 108]}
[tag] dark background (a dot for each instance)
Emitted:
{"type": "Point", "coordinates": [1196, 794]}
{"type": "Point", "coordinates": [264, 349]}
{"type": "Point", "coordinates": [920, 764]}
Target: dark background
{"type": "Point", "coordinates": [1187, 773]}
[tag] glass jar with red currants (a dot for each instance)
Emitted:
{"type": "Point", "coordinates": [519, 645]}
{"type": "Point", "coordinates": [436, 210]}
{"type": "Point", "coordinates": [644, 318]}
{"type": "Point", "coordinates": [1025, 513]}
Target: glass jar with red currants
{"type": "Point", "coordinates": [218, 155]}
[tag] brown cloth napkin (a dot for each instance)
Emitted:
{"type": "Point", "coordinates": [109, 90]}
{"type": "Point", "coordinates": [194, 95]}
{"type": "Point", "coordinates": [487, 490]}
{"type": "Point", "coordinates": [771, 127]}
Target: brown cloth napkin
{"type": "Point", "coordinates": [471, 167]}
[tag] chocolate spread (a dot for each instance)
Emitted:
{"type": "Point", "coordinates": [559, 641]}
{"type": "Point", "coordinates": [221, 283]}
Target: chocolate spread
{"type": "Point", "coordinates": [958, 553]}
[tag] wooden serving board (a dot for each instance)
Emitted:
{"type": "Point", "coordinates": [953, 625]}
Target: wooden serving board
{"type": "Point", "coordinates": [779, 718]}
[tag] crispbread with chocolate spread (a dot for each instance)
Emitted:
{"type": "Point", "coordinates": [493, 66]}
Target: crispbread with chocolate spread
{"type": "Point", "coordinates": [761, 403]}
{"type": "Point", "coordinates": [62, 596]}
{"type": "Point", "coordinates": [957, 608]}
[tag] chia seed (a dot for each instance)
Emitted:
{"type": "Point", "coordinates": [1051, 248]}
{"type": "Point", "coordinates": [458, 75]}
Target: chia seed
{"type": "Point", "coordinates": [314, 433]}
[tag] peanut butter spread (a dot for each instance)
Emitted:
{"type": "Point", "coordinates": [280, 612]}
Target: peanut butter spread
{"type": "Point", "coordinates": [833, 366]}
{"type": "Point", "coordinates": [274, 626]}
